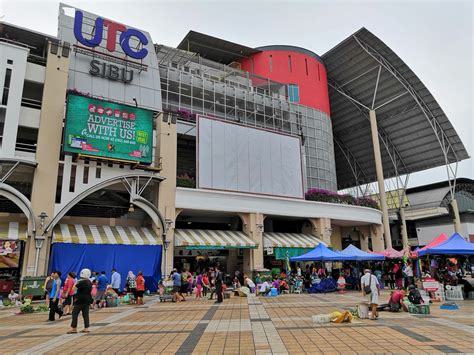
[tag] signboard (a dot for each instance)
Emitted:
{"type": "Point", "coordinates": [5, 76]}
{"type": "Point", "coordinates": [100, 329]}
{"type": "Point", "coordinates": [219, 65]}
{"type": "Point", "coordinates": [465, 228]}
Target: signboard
{"type": "Point", "coordinates": [430, 285]}
{"type": "Point", "coordinates": [9, 253]}
{"type": "Point", "coordinates": [111, 60]}
{"type": "Point", "coordinates": [108, 130]}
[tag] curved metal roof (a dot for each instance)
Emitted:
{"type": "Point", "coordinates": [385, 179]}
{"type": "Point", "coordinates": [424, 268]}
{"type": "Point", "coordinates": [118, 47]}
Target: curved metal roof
{"type": "Point", "coordinates": [213, 48]}
{"type": "Point", "coordinates": [415, 134]}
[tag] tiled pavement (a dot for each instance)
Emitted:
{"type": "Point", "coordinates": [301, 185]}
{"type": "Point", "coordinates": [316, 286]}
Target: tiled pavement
{"type": "Point", "coordinates": [259, 325]}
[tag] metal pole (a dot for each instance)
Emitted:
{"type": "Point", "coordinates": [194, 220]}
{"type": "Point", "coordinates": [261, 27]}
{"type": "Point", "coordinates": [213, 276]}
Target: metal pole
{"type": "Point", "coordinates": [380, 178]}
{"type": "Point", "coordinates": [403, 226]}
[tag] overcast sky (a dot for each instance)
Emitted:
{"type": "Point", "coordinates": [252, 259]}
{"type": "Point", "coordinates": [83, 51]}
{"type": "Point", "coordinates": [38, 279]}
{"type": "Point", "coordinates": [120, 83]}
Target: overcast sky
{"type": "Point", "coordinates": [435, 39]}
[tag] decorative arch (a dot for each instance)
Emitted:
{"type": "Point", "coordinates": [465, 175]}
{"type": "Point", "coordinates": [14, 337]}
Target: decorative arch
{"type": "Point", "coordinates": [21, 201]}
{"type": "Point", "coordinates": [139, 201]}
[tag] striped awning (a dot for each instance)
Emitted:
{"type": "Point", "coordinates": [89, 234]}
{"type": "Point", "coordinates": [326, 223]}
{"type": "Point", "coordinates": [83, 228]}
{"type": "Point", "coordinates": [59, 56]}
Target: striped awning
{"type": "Point", "coordinates": [13, 230]}
{"type": "Point", "coordinates": [92, 234]}
{"type": "Point", "coordinates": [290, 240]}
{"type": "Point", "coordinates": [212, 239]}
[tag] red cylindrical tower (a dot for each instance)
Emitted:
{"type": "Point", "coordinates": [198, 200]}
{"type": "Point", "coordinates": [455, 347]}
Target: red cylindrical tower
{"type": "Point", "coordinates": [293, 66]}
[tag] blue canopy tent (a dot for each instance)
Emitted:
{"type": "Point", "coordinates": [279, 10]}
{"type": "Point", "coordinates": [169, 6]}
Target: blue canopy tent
{"type": "Point", "coordinates": [453, 246]}
{"type": "Point", "coordinates": [361, 255]}
{"type": "Point", "coordinates": [323, 253]}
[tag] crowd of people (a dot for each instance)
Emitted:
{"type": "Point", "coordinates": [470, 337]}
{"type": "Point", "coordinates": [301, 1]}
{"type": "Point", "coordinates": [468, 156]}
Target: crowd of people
{"type": "Point", "coordinates": [90, 291]}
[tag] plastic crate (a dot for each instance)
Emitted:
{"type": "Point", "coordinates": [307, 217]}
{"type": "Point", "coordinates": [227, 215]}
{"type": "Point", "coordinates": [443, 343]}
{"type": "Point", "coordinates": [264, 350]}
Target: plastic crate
{"type": "Point", "coordinates": [419, 308]}
{"type": "Point", "coordinates": [454, 293]}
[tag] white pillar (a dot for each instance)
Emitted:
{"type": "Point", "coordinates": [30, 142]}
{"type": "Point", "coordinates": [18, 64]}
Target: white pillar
{"type": "Point", "coordinates": [456, 218]}
{"type": "Point", "coordinates": [380, 178]}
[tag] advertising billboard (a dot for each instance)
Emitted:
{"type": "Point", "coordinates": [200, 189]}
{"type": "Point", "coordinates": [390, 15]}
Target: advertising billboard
{"type": "Point", "coordinates": [233, 157]}
{"type": "Point", "coordinates": [108, 130]}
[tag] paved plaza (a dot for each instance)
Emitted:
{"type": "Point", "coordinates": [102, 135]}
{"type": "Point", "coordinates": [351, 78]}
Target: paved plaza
{"type": "Point", "coordinates": [251, 325]}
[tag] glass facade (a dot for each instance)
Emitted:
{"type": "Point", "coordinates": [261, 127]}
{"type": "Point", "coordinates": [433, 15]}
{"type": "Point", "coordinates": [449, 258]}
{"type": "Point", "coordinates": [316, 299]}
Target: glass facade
{"type": "Point", "coordinates": [191, 85]}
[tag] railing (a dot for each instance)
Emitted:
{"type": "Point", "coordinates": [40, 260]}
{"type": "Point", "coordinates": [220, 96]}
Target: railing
{"type": "Point", "coordinates": [36, 59]}
{"type": "Point", "coordinates": [31, 103]}
{"type": "Point", "coordinates": [26, 147]}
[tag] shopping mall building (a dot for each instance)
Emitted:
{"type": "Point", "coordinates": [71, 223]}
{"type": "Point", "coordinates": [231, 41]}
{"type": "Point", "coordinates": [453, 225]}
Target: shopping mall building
{"type": "Point", "coordinates": [116, 151]}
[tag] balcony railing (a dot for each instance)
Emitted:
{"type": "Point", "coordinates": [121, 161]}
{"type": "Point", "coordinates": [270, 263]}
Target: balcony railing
{"type": "Point", "coordinates": [31, 103]}
{"type": "Point", "coordinates": [26, 147]}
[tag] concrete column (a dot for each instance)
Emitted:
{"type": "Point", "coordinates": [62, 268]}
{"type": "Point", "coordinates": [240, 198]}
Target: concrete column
{"type": "Point", "coordinates": [166, 154]}
{"type": "Point", "coordinates": [457, 218]}
{"type": "Point", "coordinates": [403, 227]}
{"type": "Point", "coordinates": [43, 192]}
{"type": "Point", "coordinates": [364, 234]}
{"type": "Point", "coordinates": [320, 228]}
{"type": "Point", "coordinates": [336, 237]}
{"type": "Point", "coordinates": [376, 235]}
{"type": "Point", "coordinates": [380, 178]}
{"type": "Point", "coordinates": [253, 227]}
{"type": "Point", "coordinates": [232, 260]}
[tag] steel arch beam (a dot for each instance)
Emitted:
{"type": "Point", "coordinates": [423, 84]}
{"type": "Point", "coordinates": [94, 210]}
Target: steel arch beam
{"type": "Point", "coordinates": [21, 201]}
{"type": "Point", "coordinates": [390, 147]}
{"type": "Point", "coordinates": [92, 189]}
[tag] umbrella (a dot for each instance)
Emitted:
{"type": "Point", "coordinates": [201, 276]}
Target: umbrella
{"type": "Point", "coordinates": [322, 253]}
{"type": "Point", "coordinates": [361, 255]}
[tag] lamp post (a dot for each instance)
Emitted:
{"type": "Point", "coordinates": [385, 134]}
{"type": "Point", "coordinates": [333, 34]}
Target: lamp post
{"type": "Point", "coordinates": [166, 243]}
{"type": "Point", "coordinates": [39, 240]}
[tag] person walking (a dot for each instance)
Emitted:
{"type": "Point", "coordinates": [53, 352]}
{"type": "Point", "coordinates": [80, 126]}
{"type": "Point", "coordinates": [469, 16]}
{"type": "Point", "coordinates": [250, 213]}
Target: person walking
{"type": "Point", "coordinates": [131, 284]}
{"type": "Point", "coordinates": [83, 300]}
{"type": "Point", "coordinates": [54, 296]}
{"type": "Point", "coordinates": [219, 280]}
{"type": "Point", "coordinates": [176, 278]}
{"type": "Point", "coordinates": [68, 293]}
{"type": "Point", "coordinates": [205, 284]}
{"type": "Point", "coordinates": [408, 271]}
{"type": "Point", "coordinates": [48, 285]}
{"type": "Point", "coordinates": [371, 289]}
{"type": "Point", "coordinates": [140, 280]}
{"type": "Point", "coordinates": [101, 287]}
{"type": "Point", "coordinates": [116, 281]}
{"type": "Point", "coordinates": [199, 286]}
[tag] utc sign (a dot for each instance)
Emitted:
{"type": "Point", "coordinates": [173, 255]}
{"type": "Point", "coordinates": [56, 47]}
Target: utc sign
{"type": "Point", "coordinates": [112, 29]}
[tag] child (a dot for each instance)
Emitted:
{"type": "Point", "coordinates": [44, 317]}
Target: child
{"type": "Point", "coordinates": [93, 292]}
{"type": "Point", "coordinates": [161, 291]}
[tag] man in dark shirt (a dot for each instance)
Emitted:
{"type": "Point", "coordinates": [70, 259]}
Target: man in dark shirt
{"type": "Point", "coordinates": [219, 279]}
{"type": "Point", "coordinates": [82, 301]}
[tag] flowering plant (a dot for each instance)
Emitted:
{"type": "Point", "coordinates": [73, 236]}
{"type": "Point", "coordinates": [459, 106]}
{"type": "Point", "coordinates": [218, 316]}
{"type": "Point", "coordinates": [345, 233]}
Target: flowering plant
{"type": "Point", "coordinates": [184, 180]}
{"type": "Point", "coordinates": [322, 195]}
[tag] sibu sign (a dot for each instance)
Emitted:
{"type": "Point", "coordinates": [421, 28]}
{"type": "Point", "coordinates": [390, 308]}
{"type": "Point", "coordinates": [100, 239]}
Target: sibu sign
{"type": "Point", "coordinates": [112, 29]}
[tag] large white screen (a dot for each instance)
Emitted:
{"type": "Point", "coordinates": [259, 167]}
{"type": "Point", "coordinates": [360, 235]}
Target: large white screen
{"type": "Point", "coordinates": [238, 158]}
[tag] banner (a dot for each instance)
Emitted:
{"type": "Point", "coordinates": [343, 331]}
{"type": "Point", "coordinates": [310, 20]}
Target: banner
{"type": "Point", "coordinates": [9, 253]}
{"type": "Point", "coordinates": [108, 130]}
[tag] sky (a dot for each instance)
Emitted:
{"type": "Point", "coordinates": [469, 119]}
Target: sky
{"type": "Point", "coordinates": [435, 38]}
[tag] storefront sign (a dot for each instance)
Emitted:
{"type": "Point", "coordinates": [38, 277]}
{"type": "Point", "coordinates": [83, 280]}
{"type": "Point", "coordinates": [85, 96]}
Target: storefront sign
{"type": "Point", "coordinates": [108, 130]}
{"type": "Point", "coordinates": [110, 71]}
{"type": "Point", "coordinates": [430, 285]}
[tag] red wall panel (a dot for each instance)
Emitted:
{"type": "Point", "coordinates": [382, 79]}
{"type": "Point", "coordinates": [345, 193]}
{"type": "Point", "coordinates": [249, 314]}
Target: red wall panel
{"type": "Point", "coordinates": [306, 71]}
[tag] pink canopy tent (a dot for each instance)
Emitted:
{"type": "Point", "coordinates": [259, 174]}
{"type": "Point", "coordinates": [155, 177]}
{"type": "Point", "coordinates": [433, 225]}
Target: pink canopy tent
{"type": "Point", "coordinates": [391, 253]}
{"type": "Point", "coordinates": [438, 240]}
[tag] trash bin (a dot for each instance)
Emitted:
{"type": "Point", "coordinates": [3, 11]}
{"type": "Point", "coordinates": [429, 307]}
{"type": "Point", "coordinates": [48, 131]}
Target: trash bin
{"type": "Point", "coordinates": [273, 292]}
{"type": "Point", "coordinates": [32, 286]}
